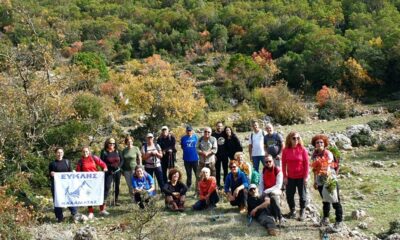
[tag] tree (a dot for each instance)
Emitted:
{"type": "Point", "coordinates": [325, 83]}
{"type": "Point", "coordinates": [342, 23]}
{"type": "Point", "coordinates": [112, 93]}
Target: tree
{"type": "Point", "coordinates": [219, 35]}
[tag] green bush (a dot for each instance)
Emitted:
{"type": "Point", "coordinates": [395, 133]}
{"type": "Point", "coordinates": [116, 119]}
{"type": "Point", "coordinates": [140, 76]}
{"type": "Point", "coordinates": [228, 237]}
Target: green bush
{"type": "Point", "coordinates": [280, 104]}
{"type": "Point", "coordinates": [91, 60]}
{"type": "Point", "coordinates": [88, 106]}
{"type": "Point", "coordinates": [381, 147]}
{"type": "Point", "coordinates": [363, 138]}
{"type": "Point", "coordinates": [377, 124]}
{"type": "Point", "coordinates": [213, 98]}
{"type": "Point", "coordinates": [333, 104]}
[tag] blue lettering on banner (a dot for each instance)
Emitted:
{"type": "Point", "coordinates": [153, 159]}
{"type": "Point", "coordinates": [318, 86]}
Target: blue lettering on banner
{"type": "Point", "coordinates": [79, 176]}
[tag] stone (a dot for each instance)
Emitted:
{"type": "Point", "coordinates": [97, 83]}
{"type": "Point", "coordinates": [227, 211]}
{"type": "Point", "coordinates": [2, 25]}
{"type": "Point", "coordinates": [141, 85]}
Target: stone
{"type": "Point", "coordinates": [395, 236]}
{"type": "Point", "coordinates": [377, 164]}
{"type": "Point", "coordinates": [340, 140]}
{"type": "Point", "coordinates": [358, 214]}
{"type": "Point", "coordinates": [354, 129]}
{"type": "Point", "coordinates": [86, 233]}
{"type": "Point", "coordinates": [363, 225]}
{"type": "Point", "coordinates": [393, 165]}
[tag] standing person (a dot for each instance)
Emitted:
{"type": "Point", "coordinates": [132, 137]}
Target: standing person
{"type": "Point", "coordinates": [60, 165]}
{"type": "Point", "coordinates": [221, 155]}
{"type": "Point", "coordinates": [270, 186]}
{"type": "Point", "coordinates": [325, 181]}
{"type": "Point", "coordinates": [259, 208]}
{"type": "Point", "coordinates": [295, 172]}
{"type": "Point", "coordinates": [256, 146]}
{"type": "Point", "coordinates": [142, 186]}
{"type": "Point", "coordinates": [167, 143]}
{"type": "Point", "coordinates": [236, 185]}
{"type": "Point", "coordinates": [89, 163]}
{"type": "Point", "coordinates": [152, 154]}
{"type": "Point", "coordinates": [131, 158]}
{"type": "Point", "coordinates": [273, 142]}
{"type": "Point", "coordinates": [207, 147]}
{"type": "Point", "coordinates": [232, 143]}
{"type": "Point", "coordinates": [175, 191]}
{"type": "Point", "coordinates": [113, 159]}
{"type": "Point", "coordinates": [207, 191]}
{"type": "Point", "coordinates": [190, 157]}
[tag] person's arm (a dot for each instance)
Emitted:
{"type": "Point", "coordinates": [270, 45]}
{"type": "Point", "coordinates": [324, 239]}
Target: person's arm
{"type": "Point", "coordinates": [214, 148]}
{"type": "Point", "coordinates": [159, 153]}
{"type": "Point", "coordinates": [238, 144]}
{"type": "Point", "coordinates": [151, 182]}
{"type": "Point", "coordinates": [51, 170]}
{"type": "Point", "coordinates": [263, 205]}
{"type": "Point", "coordinates": [278, 184]}
{"type": "Point", "coordinates": [166, 190]}
{"type": "Point", "coordinates": [261, 185]}
{"type": "Point", "coordinates": [138, 157]}
{"type": "Point", "coordinates": [100, 163]}
{"type": "Point", "coordinates": [183, 189]}
{"type": "Point", "coordinates": [305, 164]}
{"type": "Point", "coordinates": [145, 155]}
{"type": "Point", "coordinates": [122, 160]}
{"type": "Point", "coordinates": [211, 188]}
{"type": "Point", "coordinates": [173, 144]}
{"type": "Point", "coordinates": [227, 184]}
{"type": "Point", "coordinates": [281, 144]}
{"type": "Point", "coordinates": [284, 166]}
{"type": "Point", "coordinates": [250, 147]}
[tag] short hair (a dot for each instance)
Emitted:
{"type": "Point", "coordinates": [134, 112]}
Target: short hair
{"type": "Point", "coordinates": [269, 125]}
{"type": "Point", "coordinates": [127, 138]}
{"type": "Point", "coordinates": [172, 172]}
{"type": "Point", "coordinates": [318, 137]}
{"type": "Point", "coordinates": [219, 123]}
{"type": "Point", "coordinates": [288, 141]}
{"type": "Point", "coordinates": [237, 154]}
{"type": "Point", "coordinates": [58, 148]}
{"type": "Point", "coordinates": [207, 128]}
{"type": "Point", "coordinates": [205, 169]}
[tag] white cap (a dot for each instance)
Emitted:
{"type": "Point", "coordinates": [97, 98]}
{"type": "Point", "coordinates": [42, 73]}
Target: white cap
{"type": "Point", "coordinates": [164, 127]}
{"type": "Point", "coordinates": [149, 135]}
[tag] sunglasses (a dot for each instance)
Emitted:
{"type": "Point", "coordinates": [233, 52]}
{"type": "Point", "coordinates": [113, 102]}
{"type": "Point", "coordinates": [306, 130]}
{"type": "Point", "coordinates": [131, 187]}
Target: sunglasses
{"type": "Point", "coordinates": [319, 142]}
{"type": "Point", "coordinates": [112, 143]}
{"type": "Point", "coordinates": [207, 132]}
{"type": "Point", "coordinates": [268, 161]}
{"type": "Point", "coordinates": [295, 138]}
{"type": "Point", "coordinates": [233, 167]}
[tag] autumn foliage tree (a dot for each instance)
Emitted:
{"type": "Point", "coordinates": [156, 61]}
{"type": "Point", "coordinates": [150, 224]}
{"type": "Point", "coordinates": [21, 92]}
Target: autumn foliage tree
{"type": "Point", "coordinates": [333, 104]}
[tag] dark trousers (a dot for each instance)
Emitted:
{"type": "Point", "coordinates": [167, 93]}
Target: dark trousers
{"type": "Point", "coordinates": [111, 177]}
{"type": "Point", "coordinates": [141, 198]}
{"type": "Point", "coordinates": [274, 206]}
{"type": "Point", "coordinates": [221, 160]}
{"type": "Point", "coordinates": [291, 190]}
{"type": "Point", "coordinates": [202, 204]}
{"type": "Point", "coordinates": [58, 211]}
{"type": "Point", "coordinates": [167, 161]}
{"type": "Point", "coordinates": [189, 167]}
{"type": "Point", "coordinates": [326, 206]}
{"type": "Point", "coordinates": [159, 175]}
{"type": "Point", "coordinates": [266, 219]}
{"type": "Point", "coordinates": [241, 199]}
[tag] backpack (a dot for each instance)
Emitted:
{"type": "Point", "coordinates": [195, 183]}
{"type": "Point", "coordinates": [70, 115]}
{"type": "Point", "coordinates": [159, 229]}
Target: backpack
{"type": "Point", "coordinates": [255, 177]}
{"type": "Point", "coordinates": [336, 158]}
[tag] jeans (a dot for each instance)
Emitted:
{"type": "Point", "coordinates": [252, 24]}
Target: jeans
{"type": "Point", "coordinates": [266, 219]}
{"type": "Point", "coordinates": [189, 167]}
{"type": "Point", "coordinates": [326, 206]}
{"type": "Point", "coordinates": [110, 178]}
{"type": "Point", "coordinates": [221, 160]}
{"type": "Point", "coordinates": [158, 172]}
{"type": "Point", "coordinates": [202, 204]}
{"type": "Point", "coordinates": [256, 162]}
{"type": "Point", "coordinates": [291, 190]}
{"type": "Point", "coordinates": [58, 211]}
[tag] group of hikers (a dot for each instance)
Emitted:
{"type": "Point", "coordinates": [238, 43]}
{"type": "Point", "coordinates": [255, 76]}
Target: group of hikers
{"type": "Point", "coordinates": [285, 168]}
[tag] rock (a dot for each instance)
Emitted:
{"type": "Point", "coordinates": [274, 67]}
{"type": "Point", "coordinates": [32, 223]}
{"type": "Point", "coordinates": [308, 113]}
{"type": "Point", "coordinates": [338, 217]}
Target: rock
{"type": "Point", "coordinates": [358, 214]}
{"type": "Point", "coordinates": [86, 233]}
{"type": "Point", "coordinates": [395, 236]}
{"type": "Point", "coordinates": [393, 165]}
{"type": "Point", "coordinates": [363, 225]}
{"type": "Point", "coordinates": [351, 130]}
{"type": "Point", "coordinates": [377, 164]}
{"type": "Point", "coordinates": [340, 140]}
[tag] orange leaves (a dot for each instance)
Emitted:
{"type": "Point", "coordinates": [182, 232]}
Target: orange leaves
{"type": "Point", "coordinates": [320, 166]}
{"type": "Point", "coordinates": [323, 96]}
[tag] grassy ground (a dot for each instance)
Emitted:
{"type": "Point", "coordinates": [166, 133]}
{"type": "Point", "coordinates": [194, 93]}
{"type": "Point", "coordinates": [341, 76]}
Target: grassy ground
{"type": "Point", "coordinates": [379, 186]}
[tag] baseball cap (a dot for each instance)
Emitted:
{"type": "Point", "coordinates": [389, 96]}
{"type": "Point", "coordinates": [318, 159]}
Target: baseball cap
{"type": "Point", "coordinates": [189, 128]}
{"type": "Point", "coordinates": [149, 135]}
{"type": "Point", "coordinates": [164, 127]}
{"type": "Point", "coordinates": [252, 186]}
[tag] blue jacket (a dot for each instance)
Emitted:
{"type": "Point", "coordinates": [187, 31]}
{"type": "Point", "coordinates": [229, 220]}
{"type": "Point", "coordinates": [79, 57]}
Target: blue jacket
{"type": "Point", "coordinates": [231, 184]}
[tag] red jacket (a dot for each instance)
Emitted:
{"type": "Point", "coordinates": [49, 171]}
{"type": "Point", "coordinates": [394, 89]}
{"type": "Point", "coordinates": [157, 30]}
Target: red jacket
{"type": "Point", "coordinates": [90, 164]}
{"type": "Point", "coordinates": [206, 187]}
{"type": "Point", "coordinates": [295, 162]}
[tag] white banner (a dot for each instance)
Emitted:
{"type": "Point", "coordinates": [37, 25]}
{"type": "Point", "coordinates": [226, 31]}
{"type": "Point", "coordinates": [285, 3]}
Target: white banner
{"type": "Point", "coordinates": [78, 189]}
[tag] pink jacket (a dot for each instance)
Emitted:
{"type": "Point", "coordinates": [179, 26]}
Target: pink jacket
{"type": "Point", "coordinates": [295, 162]}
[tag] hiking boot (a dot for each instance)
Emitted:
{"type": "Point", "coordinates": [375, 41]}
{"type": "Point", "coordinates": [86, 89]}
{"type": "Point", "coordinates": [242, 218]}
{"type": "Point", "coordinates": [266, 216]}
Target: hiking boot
{"type": "Point", "coordinates": [302, 215]}
{"type": "Point", "coordinates": [272, 232]}
{"type": "Point", "coordinates": [104, 213]}
{"type": "Point", "coordinates": [292, 214]}
{"type": "Point", "coordinates": [90, 216]}
{"type": "Point", "coordinates": [281, 222]}
{"type": "Point", "coordinates": [337, 227]}
{"type": "Point", "coordinates": [60, 220]}
{"type": "Point", "coordinates": [324, 222]}
{"type": "Point", "coordinates": [243, 210]}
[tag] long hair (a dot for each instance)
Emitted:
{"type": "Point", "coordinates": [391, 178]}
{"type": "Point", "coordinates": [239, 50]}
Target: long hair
{"type": "Point", "coordinates": [288, 141]}
{"type": "Point", "coordinates": [172, 172]}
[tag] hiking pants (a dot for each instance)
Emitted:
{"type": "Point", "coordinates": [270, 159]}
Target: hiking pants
{"type": "Point", "coordinates": [291, 190]}
{"type": "Point", "coordinates": [326, 206]}
{"type": "Point", "coordinates": [189, 167]}
{"type": "Point", "coordinates": [221, 160]}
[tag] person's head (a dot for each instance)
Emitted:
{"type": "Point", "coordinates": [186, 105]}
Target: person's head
{"type": "Point", "coordinates": [139, 171]}
{"type": "Point", "coordinates": [174, 175]}
{"type": "Point", "coordinates": [164, 131]}
{"type": "Point", "coordinates": [219, 127]}
{"type": "Point", "coordinates": [59, 151]}
{"type": "Point", "coordinates": [293, 139]}
{"type": "Point", "coordinates": [239, 157]}
{"type": "Point", "coordinates": [269, 128]}
{"type": "Point", "coordinates": [189, 130]}
{"type": "Point", "coordinates": [85, 151]}
{"type": "Point", "coordinates": [110, 144]}
{"type": "Point", "coordinates": [255, 126]}
{"type": "Point", "coordinates": [205, 173]}
{"type": "Point", "coordinates": [149, 138]}
{"type": "Point", "coordinates": [129, 141]}
{"type": "Point", "coordinates": [253, 190]}
{"type": "Point", "coordinates": [233, 166]}
{"type": "Point", "coordinates": [320, 142]}
{"type": "Point", "coordinates": [269, 161]}
{"type": "Point", "coordinates": [207, 133]}
{"type": "Point", "coordinates": [228, 131]}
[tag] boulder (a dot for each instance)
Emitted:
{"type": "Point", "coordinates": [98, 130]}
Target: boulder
{"type": "Point", "coordinates": [377, 164]}
{"type": "Point", "coordinates": [340, 140]}
{"type": "Point", "coordinates": [355, 129]}
{"type": "Point", "coordinates": [395, 236]}
{"type": "Point", "coordinates": [358, 214]}
{"type": "Point", "coordinates": [86, 233]}
{"type": "Point", "coordinates": [363, 225]}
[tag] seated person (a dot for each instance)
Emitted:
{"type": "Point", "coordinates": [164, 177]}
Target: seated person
{"type": "Point", "coordinates": [207, 188]}
{"type": "Point", "coordinates": [259, 209]}
{"type": "Point", "coordinates": [236, 185]}
{"type": "Point", "coordinates": [142, 186]}
{"type": "Point", "coordinates": [243, 165]}
{"type": "Point", "coordinates": [175, 191]}
{"type": "Point", "coordinates": [270, 186]}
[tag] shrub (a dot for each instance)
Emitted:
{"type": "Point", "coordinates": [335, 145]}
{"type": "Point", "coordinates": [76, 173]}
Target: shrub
{"type": "Point", "coordinates": [88, 106]}
{"type": "Point", "coordinates": [381, 147]}
{"type": "Point", "coordinates": [91, 60]}
{"type": "Point", "coordinates": [282, 105]}
{"type": "Point", "coordinates": [333, 104]}
{"type": "Point", "coordinates": [213, 98]}
{"type": "Point", "coordinates": [246, 118]}
{"type": "Point", "coordinates": [363, 138]}
{"type": "Point", "coordinates": [377, 124]}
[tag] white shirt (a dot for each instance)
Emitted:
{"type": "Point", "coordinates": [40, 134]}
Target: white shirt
{"type": "Point", "coordinates": [257, 141]}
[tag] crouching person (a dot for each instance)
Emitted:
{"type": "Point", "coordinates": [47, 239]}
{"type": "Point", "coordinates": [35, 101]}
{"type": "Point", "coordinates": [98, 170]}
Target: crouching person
{"type": "Point", "coordinates": [175, 191]}
{"type": "Point", "coordinates": [259, 209]}
{"type": "Point", "coordinates": [207, 190]}
{"type": "Point", "coordinates": [143, 186]}
{"type": "Point", "coordinates": [236, 185]}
